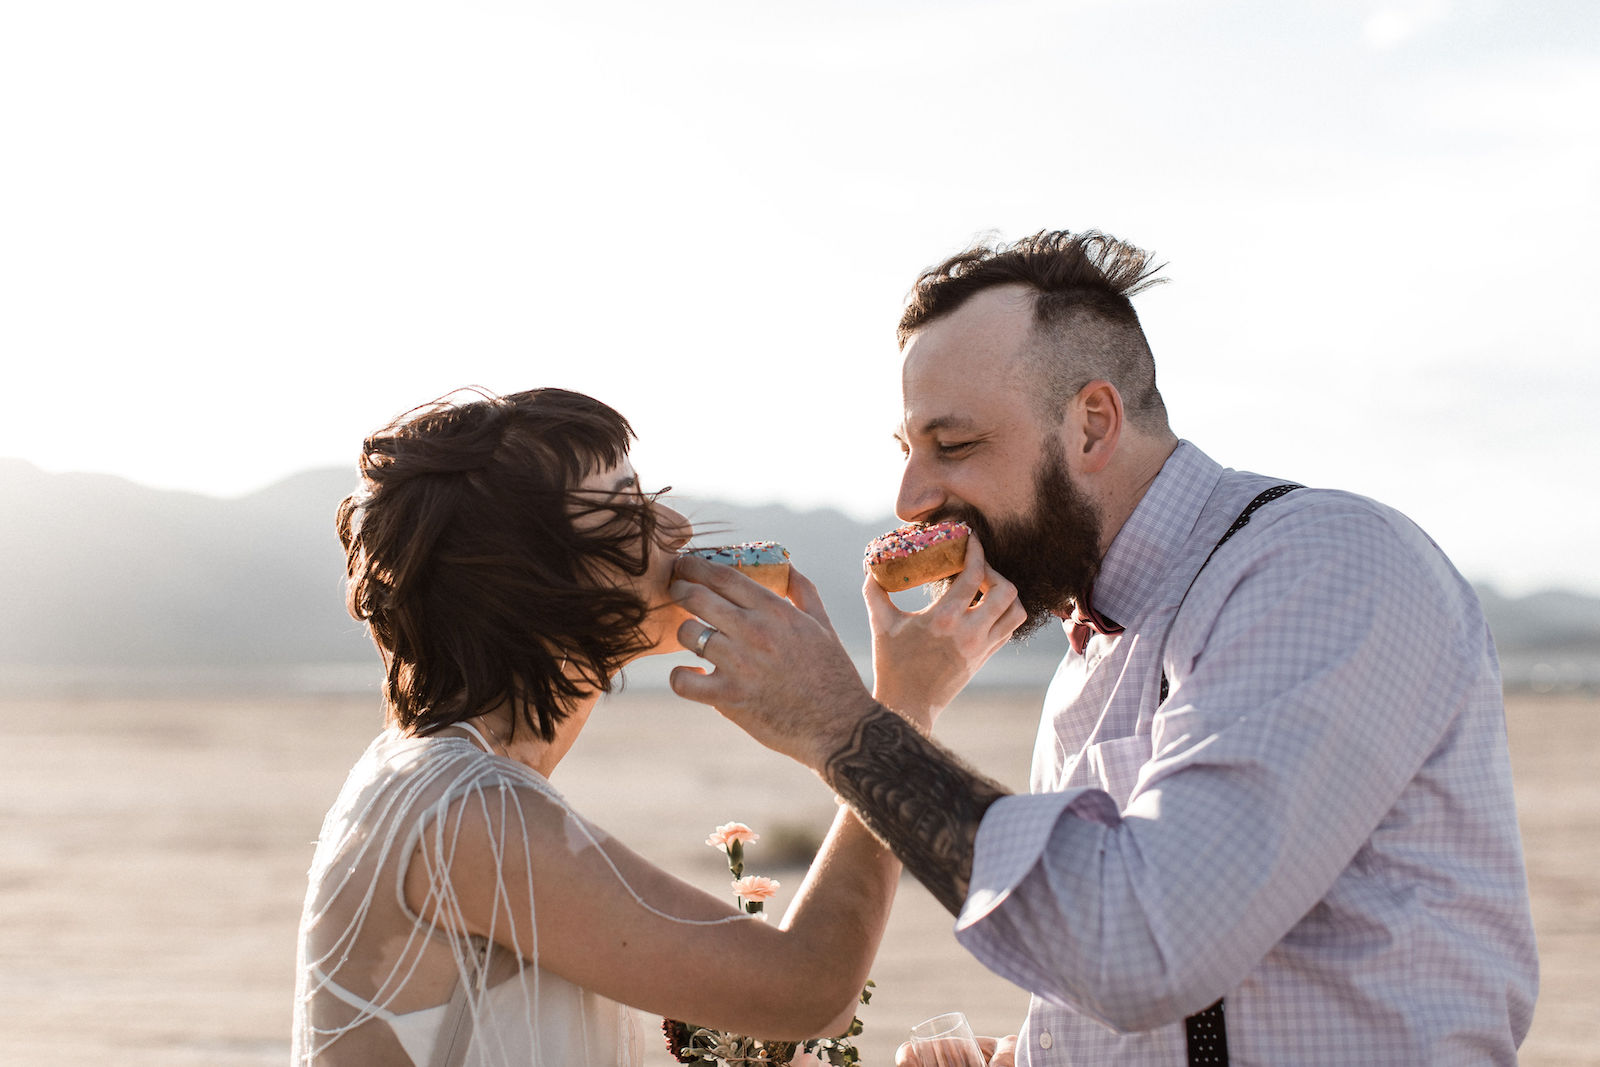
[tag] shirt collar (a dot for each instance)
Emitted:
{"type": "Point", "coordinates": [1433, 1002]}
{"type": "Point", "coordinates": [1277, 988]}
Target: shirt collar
{"type": "Point", "coordinates": [1132, 573]}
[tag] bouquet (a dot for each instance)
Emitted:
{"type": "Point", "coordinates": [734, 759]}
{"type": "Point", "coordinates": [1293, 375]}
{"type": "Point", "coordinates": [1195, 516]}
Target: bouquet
{"type": "Point", "coordinates": [707, 1047]}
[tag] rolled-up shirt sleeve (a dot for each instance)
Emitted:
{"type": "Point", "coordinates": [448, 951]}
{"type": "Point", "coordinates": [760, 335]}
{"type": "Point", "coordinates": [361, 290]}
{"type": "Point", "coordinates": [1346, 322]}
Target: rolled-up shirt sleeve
{"type": "Point", "coordinates": [1314, 671]}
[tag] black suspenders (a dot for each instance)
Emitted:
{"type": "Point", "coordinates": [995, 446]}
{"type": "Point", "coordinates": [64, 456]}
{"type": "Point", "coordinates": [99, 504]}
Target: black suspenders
{"type": "Point", "coordinates": [1265, 497]}
{"type": "Point", "coordinates": [1206, 1032]}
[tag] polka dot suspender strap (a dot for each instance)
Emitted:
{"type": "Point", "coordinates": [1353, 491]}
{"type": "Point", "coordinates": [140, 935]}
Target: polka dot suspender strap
{"type": "Point", "coordinates": [1206, 1032]}
{"type": "Point", "coordinates": [1206, 1035]}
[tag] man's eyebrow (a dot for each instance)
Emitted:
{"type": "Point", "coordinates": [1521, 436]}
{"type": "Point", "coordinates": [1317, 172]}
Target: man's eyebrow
{"type": "Point", "coordinates": [942, 422]}
{"type": "Point", "coordinates": [934, 425]}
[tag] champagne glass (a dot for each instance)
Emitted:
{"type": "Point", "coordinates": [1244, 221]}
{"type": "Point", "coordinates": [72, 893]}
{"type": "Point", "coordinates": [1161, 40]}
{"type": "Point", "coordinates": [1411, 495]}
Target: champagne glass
{"type": "Point", "coordinates": [946, 1041]}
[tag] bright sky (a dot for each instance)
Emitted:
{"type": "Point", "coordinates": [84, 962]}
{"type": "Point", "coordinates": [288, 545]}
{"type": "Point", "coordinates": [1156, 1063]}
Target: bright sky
{"type": "Point", "coordinates": [235, 237]}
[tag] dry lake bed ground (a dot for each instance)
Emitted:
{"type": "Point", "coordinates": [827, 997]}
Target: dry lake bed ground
{"type": "Point", "coordinates": [153, 856]}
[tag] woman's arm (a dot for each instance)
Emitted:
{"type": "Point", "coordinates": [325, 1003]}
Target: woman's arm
{"type": "Point", "coordinates": [533, 877]}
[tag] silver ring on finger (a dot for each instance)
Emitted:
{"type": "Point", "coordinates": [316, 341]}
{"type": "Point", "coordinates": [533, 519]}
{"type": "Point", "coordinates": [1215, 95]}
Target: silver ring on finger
{"type": "Point", "coordinates": [700, 642]}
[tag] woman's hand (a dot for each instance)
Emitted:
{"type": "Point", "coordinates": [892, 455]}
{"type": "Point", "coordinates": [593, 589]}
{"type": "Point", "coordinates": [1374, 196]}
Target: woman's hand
{"type": "Point", "coordinates": [997, 1052]}
{"type": "Point", "coordinates": [922, 659]}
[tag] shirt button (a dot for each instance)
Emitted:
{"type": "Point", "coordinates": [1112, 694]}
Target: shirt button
{"type": "Point", "coordinates": [1044, 1039]}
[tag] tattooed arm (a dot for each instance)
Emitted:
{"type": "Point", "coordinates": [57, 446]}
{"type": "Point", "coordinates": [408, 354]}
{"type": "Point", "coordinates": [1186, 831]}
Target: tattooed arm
{"type": "Point", "coordinates": [782, 676]}
{"type": "Point", "coordinates": [916, 798]}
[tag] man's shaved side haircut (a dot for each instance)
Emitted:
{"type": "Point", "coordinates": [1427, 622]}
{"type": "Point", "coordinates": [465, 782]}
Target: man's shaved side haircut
{"type": "Point", "coordinates": [1085, 327]}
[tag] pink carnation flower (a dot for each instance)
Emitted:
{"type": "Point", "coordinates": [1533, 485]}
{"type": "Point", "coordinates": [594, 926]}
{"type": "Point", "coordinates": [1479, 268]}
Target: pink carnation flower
{"type": "Point", "coordinates": [807, 1058]}
{"type": "Point", "coordinates": [729, 832]}
{"type": "Point", "coordinates": [756, 887]}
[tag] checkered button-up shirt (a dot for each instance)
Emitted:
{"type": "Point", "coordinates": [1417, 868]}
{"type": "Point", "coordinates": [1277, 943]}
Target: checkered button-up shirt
{"type": "Point", "coordinates": [1317, 823]}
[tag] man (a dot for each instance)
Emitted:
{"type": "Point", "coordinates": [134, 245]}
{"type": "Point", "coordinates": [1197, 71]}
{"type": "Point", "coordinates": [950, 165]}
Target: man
{"type": "Point", "coordinates": [1271, 812]}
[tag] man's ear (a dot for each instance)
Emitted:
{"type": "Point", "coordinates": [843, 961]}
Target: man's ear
{"type": "Point", "coordinates": [1094, 425]}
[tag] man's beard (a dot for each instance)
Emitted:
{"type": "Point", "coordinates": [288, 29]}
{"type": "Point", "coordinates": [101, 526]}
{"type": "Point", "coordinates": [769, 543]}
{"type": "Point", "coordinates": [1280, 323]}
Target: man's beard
{"type": "Point", "coordinates": [1052, 553]}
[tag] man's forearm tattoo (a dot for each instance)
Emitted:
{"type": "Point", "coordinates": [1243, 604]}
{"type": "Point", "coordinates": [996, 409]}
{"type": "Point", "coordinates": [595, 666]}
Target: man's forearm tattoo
{"type": "Point", "coordinates": [916, 798]}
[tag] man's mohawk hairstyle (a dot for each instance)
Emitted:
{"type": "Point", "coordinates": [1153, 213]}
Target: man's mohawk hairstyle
{"type": "Point", "coordinates": [1066, 269]}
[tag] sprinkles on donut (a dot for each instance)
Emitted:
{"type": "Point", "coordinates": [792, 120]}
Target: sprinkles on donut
{"type": "Point", "coordinates": [917, 553]}
{"type": "Point", "coordinates": [765, 561]}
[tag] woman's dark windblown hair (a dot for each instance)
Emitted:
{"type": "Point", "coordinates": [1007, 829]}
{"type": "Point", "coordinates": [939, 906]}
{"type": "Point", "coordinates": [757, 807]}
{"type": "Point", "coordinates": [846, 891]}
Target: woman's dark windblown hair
{"type": "Point", "coordinates": [468, 558]}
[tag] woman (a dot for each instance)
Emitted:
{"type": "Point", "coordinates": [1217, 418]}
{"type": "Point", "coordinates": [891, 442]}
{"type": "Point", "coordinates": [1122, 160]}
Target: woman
{"type": "Point", "coordinates": [459, 911]}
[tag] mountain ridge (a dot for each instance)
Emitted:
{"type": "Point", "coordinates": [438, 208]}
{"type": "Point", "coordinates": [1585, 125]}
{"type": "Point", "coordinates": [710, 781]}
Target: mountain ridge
{"type": "Point", "coordinates": [98, 574]}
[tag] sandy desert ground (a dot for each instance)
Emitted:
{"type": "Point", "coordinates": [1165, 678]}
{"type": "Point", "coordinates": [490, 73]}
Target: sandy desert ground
{"type": "Point", "coordinates": [152, 857]}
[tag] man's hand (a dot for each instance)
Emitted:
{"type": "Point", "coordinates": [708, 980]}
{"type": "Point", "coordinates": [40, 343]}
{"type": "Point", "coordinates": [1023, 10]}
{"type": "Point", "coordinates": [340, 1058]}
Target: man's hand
{"type": "Point", "coordinates": [782, 677]}
{"type": "Point", "coordinates": [781, 674]}
{"type": "Point", "coordinates": [922, 659]}
{"type": "Point", "coordinates": [997, 1052]}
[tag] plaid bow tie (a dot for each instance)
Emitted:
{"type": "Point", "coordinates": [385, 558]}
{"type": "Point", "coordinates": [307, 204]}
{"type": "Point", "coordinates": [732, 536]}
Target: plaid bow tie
{"type": "Point", "coordinates": [1084, 619]}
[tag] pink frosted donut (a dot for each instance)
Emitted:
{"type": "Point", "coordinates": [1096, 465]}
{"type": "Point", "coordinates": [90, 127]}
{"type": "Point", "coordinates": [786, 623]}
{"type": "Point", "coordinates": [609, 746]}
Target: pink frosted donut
{"type": "Point", "coordinates": [915, 554]}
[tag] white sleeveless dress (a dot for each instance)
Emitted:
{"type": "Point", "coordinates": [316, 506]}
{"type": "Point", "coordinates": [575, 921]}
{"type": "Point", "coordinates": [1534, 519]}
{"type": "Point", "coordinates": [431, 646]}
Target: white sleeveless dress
{"type": "Point", "coordinates": [375, 982]}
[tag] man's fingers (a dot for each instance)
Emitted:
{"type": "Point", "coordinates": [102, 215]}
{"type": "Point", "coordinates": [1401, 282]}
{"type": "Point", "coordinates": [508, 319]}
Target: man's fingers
{"type": "Point", "coordinates": [1014, 616]}
{"type": "Point", "coordinates": [999, 595]}
{"type": "Point", "coordinates": [881, 611]}
{"type": "Point", "coordinates": [968, 582]}
{"type": "Point", "coordinates": [975, 556]}
{"type": "Point", "coordinates": [693, 683]}
{"type": "Point", "coordinates": [703, 603]}
{"type": "Point", "coordinates": [804, 595]}
{"type": "Point", "coordinates": [737, 588]}
{"type": "Point", "coordinates": [695, 636]}
{"type": "Point", "coordinates": [998, 592]}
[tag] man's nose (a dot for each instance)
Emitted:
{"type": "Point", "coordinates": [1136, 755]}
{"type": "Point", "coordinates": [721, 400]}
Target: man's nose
{"type": "Point", "coordinates": [920, 496]}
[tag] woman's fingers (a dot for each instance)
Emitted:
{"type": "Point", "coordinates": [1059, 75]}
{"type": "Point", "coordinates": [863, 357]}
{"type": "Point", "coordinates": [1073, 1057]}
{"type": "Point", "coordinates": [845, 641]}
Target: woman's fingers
{"type": "Point", "coordinates": [997, 1052]}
